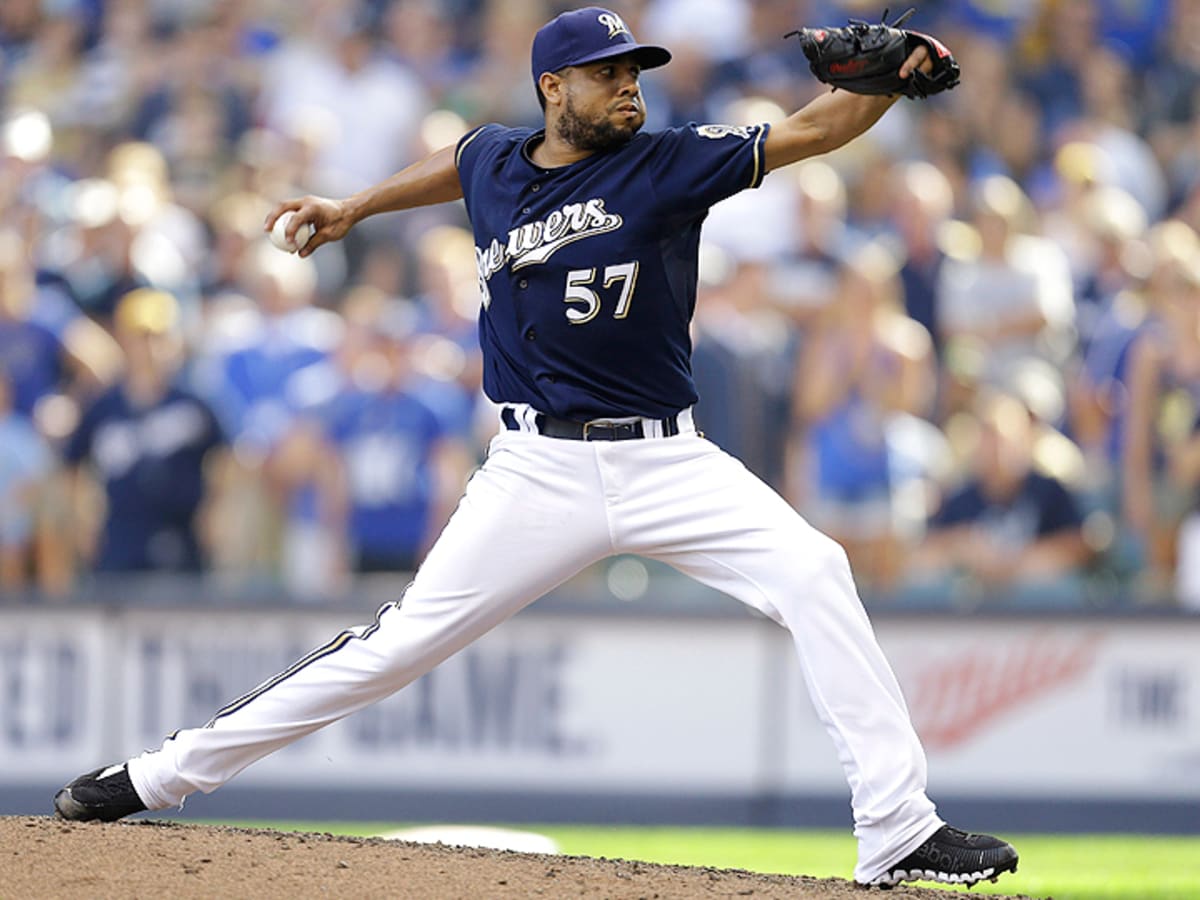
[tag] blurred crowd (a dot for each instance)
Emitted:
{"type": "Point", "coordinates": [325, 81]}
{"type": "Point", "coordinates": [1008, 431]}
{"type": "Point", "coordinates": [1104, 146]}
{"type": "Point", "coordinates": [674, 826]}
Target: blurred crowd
{"type": "Point", "coordinates": [967, 346]}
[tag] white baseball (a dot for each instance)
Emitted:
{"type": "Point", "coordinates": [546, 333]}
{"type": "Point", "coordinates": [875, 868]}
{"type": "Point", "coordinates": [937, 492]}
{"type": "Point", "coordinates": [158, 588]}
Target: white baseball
{"type": "Point", "coordinates": [279, 234]}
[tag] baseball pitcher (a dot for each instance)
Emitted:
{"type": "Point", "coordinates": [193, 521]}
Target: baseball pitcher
{"type": "Point", "coordinates": [586, 242]}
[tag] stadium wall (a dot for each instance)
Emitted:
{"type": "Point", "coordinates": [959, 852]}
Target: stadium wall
{"type": "Point", "coordinates": [579, 710]}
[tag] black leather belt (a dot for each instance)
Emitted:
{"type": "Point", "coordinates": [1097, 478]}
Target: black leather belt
{"type": "Point", "coordinates": [550, 426]}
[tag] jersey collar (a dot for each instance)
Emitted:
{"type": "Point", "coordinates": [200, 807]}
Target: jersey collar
{"type": "Point", "coordinates": [528, 145]}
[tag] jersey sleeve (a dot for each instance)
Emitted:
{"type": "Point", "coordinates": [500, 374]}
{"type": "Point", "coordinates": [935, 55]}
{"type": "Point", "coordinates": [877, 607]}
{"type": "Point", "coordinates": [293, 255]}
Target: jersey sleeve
{"type": "Point", "coordinates": [470, 148]}
{"type": "Point", "coordinates": [695, 166]}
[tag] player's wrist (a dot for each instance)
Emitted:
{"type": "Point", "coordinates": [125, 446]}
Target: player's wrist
{"type": "Point", "coordinates": [355, 208]}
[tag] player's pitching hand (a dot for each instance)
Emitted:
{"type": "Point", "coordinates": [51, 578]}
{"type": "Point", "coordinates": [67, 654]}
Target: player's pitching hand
{"type": "Point", "coordinates": [328, 218]}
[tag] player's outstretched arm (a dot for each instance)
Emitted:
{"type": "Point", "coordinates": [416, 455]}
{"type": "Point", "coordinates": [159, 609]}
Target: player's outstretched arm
{"type": "Point", "coordinates": [832, 120]}
{"type": "Point", "coordinates": [431, 180]}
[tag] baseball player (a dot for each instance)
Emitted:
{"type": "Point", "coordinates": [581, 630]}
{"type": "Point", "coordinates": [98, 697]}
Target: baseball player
{"type": "Point", "coordinates": [586, 240]}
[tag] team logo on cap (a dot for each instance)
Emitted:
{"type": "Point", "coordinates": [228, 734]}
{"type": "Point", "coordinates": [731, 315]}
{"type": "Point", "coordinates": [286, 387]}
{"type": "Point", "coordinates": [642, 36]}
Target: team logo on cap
{"type": "Point", "coordinates": [613, 23]}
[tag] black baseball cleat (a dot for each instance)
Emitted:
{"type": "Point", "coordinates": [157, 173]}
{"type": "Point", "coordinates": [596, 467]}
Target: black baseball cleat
{"type": "Point", "coordinates": [952, 857]}
{"type": "Point", "coordinates": [106, 794]}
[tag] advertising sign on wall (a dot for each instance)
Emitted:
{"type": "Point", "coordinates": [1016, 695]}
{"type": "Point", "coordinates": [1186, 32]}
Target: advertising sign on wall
{"type": "Point", "coordinates": [592, 704]}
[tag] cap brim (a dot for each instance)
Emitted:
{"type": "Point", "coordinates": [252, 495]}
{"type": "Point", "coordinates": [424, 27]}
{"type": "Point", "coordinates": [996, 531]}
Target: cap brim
{"type": "Point", "coordinates": [648, 56]}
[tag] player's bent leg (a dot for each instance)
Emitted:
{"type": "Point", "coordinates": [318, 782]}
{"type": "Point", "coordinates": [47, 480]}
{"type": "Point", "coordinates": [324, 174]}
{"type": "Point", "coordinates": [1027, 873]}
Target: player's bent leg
{"type": "Point", "coordinates": [489, 562]}
{"type": "Point", "coordinates": [739, 536]}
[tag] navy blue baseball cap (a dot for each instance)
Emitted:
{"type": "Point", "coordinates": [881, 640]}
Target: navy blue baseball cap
{"type": "Point", "coordinates": [589, 35]}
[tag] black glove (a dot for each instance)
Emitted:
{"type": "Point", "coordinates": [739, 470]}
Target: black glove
{"type": "Point", "coordinates": [865, 59]}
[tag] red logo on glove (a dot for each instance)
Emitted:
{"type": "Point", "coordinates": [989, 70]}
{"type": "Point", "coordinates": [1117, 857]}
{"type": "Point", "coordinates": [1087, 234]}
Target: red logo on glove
{"type": "Point", "coordinates": [849, 67]}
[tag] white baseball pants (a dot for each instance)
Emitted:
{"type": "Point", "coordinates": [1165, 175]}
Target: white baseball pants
{"type": "Point", "coordinates": [538, 511]}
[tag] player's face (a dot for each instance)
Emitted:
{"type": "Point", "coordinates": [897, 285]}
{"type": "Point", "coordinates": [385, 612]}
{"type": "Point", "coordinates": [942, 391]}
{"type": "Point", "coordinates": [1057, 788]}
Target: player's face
{"type": "Point", "coordinates": [603, 105]}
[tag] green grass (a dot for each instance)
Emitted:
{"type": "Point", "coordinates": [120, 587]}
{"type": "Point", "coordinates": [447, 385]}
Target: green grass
{"type": "Point", "coordinates": [1065, 867]}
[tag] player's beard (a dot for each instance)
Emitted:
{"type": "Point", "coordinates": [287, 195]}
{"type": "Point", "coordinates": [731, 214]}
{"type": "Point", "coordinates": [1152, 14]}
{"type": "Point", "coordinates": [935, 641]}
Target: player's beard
{"type": "Point", "coordinates": [592, 135]}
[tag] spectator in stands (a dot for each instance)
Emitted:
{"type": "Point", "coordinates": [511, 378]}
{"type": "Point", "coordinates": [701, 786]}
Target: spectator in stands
{"type": "Point", "coordinates": [98, 265]}
{"type": "Point", "coordinates": [19, 22]}
{"type": "Point", "coordinates": [1113, 311]}
{"type": "Point", "coordinates": [1004, 296]}
{"type": "Point", "coordinates": [1053, 52]}
{"type": "Point", "coordinates": [769, 67]}
{"type": "Point", "coordinates": [365, 107]}
{"type": "Point", "coordinates": [235, 227]}
{"type": "Point", "coordinates": [1099, 226]}
{"type": "Point", "coordinates": [1172, 100]}
{"type": "Point", "coordinates": [403, 470]}
{"type": "Point", "coordinates": [31, 186]}
{"type": "Point", "coordinates": [120, 65]}
{"type": "Point", "coordinates": [804, 276]}
{"type": "Point", "coordinates": [448, 368]}
{"type": "Point", "coordinates": [270, 341]}
{"type": "Point", "coordinates": [743, 363]}
{"type": "Point", "coordinates": [1109, 120]}
{"type": "Point", "coordinates": [922, 204]}
{"type": "Point", "coordinates": [146, 443]}
{"type": "Point", "coordinates": [1012, 532]}
{"type": "Point", "coordinates": [868, 366]}
{"type": "Point", "coordinates": [169, 242]}
{"type": "Point", "coordinates": [1159, 468]}
{"type": "Point", "coordinates": [26, 463]}
{"type": "Point", "coordinates": [48, 76]}
{"type": "Point", "coordinates": [258, 337]}
{"type": "Point", "coordinates": [46, 346]}
{"type": "Point", "coordinates": [493, 89]}
{"type": "Point", "coordinates": [198, 108]}
{"type": "Point", "coordinates": [420, 35]}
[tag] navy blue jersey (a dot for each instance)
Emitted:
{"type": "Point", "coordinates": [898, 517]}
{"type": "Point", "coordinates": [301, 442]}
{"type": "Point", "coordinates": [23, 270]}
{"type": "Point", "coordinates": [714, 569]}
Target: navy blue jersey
{"type": "Point", "coordinates": [32, 356]}
{"type": "Point", "coordinates": [387, 440]}
{"type": "Point", "coordinates": [588, 271]}
{"type": "Point", "coordinates": [1042, 507]}
{"type": "Point", "coordinates": [150, 460]}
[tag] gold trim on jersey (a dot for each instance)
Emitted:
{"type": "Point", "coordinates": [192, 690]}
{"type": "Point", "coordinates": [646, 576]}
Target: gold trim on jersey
{"type": "Point", "coordinates": [758, 153]}
{"type": "Point", "coordinates": [463, 146]}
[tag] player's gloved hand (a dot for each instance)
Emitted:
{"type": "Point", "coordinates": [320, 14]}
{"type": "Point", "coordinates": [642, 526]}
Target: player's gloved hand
{"type": "Point", "coordinates": [866, 58]}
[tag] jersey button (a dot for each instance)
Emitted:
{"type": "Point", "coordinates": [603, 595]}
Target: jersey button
{"type": "Point", "coordinates": [535, 187]}
{"type": "Point", "coordinates": [530, 334]}
{"type": "Point", "coordinates": [527, 210]}
{"type": "Point", "coordinates": [522, 283]}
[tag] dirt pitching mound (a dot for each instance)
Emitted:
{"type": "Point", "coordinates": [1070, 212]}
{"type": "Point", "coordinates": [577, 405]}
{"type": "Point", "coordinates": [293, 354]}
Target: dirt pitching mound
{"type": "Point", "coordinates": [46, 857]}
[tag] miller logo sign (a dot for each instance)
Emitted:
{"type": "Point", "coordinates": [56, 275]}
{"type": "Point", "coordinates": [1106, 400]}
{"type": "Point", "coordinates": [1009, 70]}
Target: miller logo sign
{"type": "Point", "coordinates": [954, 699]}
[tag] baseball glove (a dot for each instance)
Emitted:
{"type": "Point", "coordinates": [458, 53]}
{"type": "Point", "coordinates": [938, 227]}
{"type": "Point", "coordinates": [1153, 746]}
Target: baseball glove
{"type": "Point", "coordinates": [865, 58]}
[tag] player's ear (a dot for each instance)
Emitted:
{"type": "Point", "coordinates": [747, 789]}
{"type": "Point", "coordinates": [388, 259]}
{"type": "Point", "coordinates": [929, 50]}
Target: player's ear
{"type": "Point", "coordinates": [551, 85]}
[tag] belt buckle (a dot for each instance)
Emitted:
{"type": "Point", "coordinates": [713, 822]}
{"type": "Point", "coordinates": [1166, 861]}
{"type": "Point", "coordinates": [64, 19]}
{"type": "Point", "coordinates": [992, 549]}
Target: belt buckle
{"type": "Point", "coordinates": [610, 431]}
